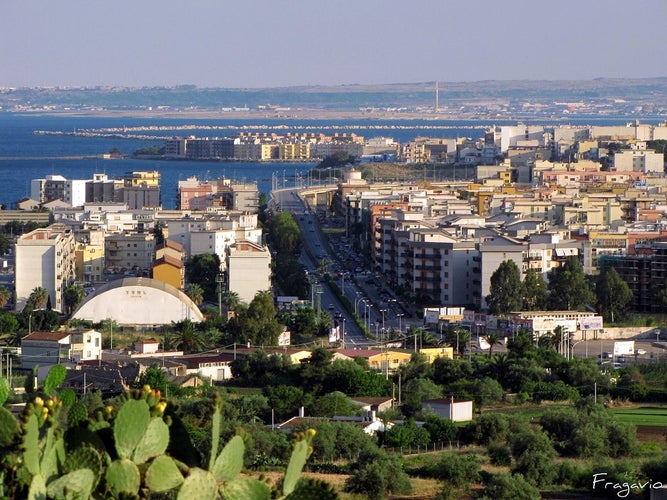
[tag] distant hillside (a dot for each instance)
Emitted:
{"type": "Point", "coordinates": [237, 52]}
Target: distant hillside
{"type": "Point", "coordinates": [651, 91]}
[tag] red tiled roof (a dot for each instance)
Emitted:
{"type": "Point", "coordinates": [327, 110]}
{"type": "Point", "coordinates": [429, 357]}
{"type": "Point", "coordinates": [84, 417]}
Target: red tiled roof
{"type": "Point", "coordinates": [53, 336]}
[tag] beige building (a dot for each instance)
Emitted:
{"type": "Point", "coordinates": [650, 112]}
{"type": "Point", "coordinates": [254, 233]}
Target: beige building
{"type": "Point", "coordinates": [53, 248]}
{"type": "Point", "coordinates": [130, 252]}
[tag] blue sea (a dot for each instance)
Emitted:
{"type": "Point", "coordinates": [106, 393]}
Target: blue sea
{"type": "Point", "coordinates": [25, 155]}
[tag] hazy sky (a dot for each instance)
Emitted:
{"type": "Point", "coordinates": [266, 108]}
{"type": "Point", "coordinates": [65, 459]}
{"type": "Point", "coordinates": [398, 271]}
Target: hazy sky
{"type": "Point", "coordinates": [270, 43]}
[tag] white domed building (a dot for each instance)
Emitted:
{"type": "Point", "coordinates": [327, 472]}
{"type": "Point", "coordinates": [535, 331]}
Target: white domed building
{"type": "Point", "coordinates": [138, 302]}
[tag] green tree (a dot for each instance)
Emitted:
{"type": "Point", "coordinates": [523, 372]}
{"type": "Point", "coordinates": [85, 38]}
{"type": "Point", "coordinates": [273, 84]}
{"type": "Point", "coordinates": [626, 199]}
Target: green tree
{"type": "Point", "coordinates": [72, 297]}
{"type": "Point", "coordinates": [8, 323]}
{"type": "Point", "coordinates": [38, 298]}
{"type": "Point", "coordinates": [285, 233]}
{"type": "Point", "coordinates": [510, 487]}
{"type": "Point", "coordinates": [154, 377]}
{"type": "Point", "coordinates": [378, 474]}
{"type": "Point", "coordinates": [415, 391]}
{"type": "Point", "coordinates": [407, 434]}
{"type": "Point", "coordinates": [505, 289]}
{"type": "Point", "coordinates": [568, 289]}
{"type": "Point", "coordinates": [534, 291]}
{"type": "Point", "coordinates": [187, 337]}
{"type": "Point", "coordinates": [458, 470]}
{"type": "Point", "coordinates": [5, 244]}
{"type": "Point", "coordinates": [440, 430]}
{"type": "Point", "coordinates": [203, 269]}
{"type": "Point", "coordinates": [493, 339]}
{"type": "Point", "coordinates": [613, 295]}
{"type": "Point", "coordinates": [5, 296]}
{"type": "Point", "coordinates": [196, 293]}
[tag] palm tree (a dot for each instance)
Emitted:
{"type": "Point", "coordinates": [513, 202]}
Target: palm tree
{"type": "Point", "coordinates": [38, 297]}
{"type": "Point", "coordinates": [231, 300]}
{"type": "Point", "coordinates": [492, 339]}
{"type": "Point", "coordinates": [196, 293]}
{"type": "Point", "coordinates": [187, 337]}
{"type": "Point", "coordinates": [5, 295]}
{"type": "Point", "coordinates": [72, 297]}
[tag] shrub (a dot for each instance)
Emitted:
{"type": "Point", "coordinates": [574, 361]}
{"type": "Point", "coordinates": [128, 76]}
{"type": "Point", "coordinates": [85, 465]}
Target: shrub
{"type": "Point", "coordinates": [458, 470]}
{"type": "Point", "coordinates": [500, 454]}
{"type": "Point", "coordinates": [510, 487]}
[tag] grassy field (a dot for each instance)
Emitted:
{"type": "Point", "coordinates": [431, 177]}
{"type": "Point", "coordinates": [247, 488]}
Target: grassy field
{"type": "Point", "coordinates": [643, 415]}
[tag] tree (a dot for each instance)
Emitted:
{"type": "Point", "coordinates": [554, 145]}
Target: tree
{"type": "Point", "coordinates": [5, 244]}
{"type": "Point", "coordinates": [188, 338]}
{"type": "Point", "coordinates": [493, 339]}
{"type": "Point", "coordinates": [510, 487]}
{"type": "Point", "coordinates": [506, 291]}
{"type": "Point", "coordinates": [5, 296]}
{"type": "Point", "coordinates": [196, 293]}
{"type": "Point", "coordinates": [38, 298]}
{"type": "Point", "coordinates": [534, 291]}
{"type": "Point", "coordinates": [378, 473]}
{"type": "Point", "coordinates": [568, 289]}
{"type": "Point", "coordinates": [154, 377]}
{"type": "Point", "coordinates": [72, 297]}
{"type": "Point", "coordinates": [613, 295]}
{"type": "Point", "coordinates": [203, 269]}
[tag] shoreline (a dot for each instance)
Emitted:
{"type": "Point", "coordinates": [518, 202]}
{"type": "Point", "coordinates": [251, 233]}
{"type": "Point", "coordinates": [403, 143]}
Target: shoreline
{"type": "Point", "coordinates": [297, 114]}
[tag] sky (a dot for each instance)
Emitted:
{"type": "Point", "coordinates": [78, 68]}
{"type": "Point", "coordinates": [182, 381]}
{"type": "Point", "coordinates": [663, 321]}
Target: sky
{"type": "Point", "coordinates": [284, 43]}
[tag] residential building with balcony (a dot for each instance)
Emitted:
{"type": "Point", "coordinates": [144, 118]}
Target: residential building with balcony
{"type": "Point", "coordinates": [130, 252]}
{"type": "Point", "coordinates": [54, 249]}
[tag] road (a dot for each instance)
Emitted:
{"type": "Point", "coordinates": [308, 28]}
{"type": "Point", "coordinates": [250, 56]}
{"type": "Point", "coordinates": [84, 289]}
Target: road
{"type": "Point", "coordinates": [316, 250]}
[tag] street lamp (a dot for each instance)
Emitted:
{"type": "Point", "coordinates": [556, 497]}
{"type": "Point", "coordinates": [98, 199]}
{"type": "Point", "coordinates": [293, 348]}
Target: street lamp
{"type": "Point", "coordinates": [399, 316]}
{"type": "Point", "coordinates": [358, 299]}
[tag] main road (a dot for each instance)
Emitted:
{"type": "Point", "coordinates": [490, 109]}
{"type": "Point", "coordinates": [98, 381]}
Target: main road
{"type": "Point", "coordinates": [315, 250]}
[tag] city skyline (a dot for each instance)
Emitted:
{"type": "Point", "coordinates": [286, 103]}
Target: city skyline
{"type": "Point", "coordinates": [263, 44]}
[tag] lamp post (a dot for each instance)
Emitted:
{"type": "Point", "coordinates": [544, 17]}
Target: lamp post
{"type": "Point", "coordinates": [220, 280]}
{"type": "Point", "coordinates": [400, 316]}
{"type": "Point", "coordinates": [344, 332]}
{"type": "Point", "coordinates": [358, 299]}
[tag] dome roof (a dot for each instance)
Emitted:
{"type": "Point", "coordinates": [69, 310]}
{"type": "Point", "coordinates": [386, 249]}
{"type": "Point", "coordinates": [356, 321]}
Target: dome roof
{"type": "Point", "coordinates": [138, 302]}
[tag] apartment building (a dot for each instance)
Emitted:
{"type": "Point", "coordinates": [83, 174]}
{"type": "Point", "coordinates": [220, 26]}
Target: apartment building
{"type": "Point", "coordinates": [130, 252]}
{"type": "Point", "coordinates": [54, 248]}
{"type": "Point", "coordinates": [248, 269]}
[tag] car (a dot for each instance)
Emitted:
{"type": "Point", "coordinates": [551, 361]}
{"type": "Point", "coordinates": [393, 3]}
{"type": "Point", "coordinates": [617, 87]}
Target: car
{"type": "Point", "coordinates": [331, 307]}
{"type": "Point", "coordinates": [606, 355]}
{"type": "Point", "coordinates": [620, 359]}
{"type": "Point", "coordinates": [640, 352]}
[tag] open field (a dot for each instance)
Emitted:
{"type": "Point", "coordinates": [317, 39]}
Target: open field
{"type": "Point", "coordinates": [655, 416]}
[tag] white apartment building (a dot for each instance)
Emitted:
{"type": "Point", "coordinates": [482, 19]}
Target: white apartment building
{"type": "Point", "coordinates": [639, 159]}
{"type": "Point", "coordinates": [248, 269]}
{"type": "Point", "coordinates": [45, 258]}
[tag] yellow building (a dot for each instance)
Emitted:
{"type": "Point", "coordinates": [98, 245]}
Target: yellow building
{"type": "Point", "coordinates": [89, 255]}
{"type": "Point", "coordinates": [143, 179]}
{"type": "Point", "coordinates": [432, 353]}
{"type": "Point", "coordinates": [170, 270]}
